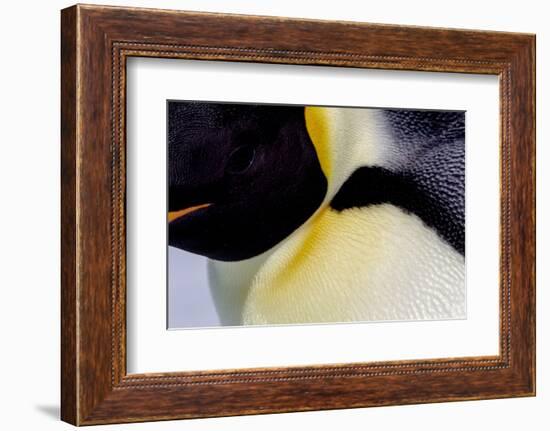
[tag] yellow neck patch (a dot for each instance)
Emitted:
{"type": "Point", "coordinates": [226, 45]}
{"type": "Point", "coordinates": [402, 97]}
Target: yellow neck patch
{"type": "Point", "coordinates": [317, 125]}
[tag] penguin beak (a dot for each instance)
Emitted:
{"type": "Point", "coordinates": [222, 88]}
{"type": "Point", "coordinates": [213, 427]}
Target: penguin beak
{"type": "Point", "coordinates": [175, 215]}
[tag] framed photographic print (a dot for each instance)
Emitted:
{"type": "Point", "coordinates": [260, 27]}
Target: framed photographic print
{"type": "Point", "coordinates": [265, 214]}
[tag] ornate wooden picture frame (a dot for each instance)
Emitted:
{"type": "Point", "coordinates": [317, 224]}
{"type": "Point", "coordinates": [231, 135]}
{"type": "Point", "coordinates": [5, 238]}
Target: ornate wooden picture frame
{"type": "Point", "coordinates": [96, 41]}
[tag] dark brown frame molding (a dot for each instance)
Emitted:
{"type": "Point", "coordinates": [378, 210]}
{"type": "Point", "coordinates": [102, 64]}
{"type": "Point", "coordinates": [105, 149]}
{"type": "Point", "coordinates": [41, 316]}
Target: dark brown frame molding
{"type": "Point", "coordinates": [95, 43]}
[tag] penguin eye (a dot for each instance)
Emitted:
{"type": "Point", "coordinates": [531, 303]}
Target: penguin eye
{"type": "Point", "coordinates": [241, 159]}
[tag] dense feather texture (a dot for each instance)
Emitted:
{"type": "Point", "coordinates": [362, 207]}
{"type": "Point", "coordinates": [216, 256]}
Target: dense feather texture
{"type": "Point", "coordinates": [380, 264]}
{"type": "Point", "coordinates": [437, 199]}
{"type": "Point", "coordinates": [434, 142]}
{"type": "Point", "coordinates": [392, 251]}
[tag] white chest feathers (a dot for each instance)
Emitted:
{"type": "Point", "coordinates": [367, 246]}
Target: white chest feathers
{"type": "Point", "coordinates": [362, 264]}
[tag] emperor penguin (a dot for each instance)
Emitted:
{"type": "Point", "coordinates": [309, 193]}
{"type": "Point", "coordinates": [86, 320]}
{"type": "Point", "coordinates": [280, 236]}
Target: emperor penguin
{"type": "Point", "coordinates": [320, 214]}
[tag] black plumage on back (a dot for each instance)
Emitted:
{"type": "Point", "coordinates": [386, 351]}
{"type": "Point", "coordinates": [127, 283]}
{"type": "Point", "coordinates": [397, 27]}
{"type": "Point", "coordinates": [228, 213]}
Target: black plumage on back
{"type": "Point", "coordinates": [427, 178]}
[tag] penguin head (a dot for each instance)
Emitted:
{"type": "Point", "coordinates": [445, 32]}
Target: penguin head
{"type": "Point", "coordinates": [241, 177]}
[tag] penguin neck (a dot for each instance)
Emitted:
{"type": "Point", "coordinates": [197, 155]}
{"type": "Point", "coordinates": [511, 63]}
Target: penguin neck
{"type": "Point", "coordinates": [346, 139]}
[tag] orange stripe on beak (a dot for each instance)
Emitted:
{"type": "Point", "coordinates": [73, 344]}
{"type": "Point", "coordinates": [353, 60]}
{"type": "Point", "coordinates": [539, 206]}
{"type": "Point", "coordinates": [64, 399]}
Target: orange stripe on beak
{"type": "Point", "coordinates": [173, 215]}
